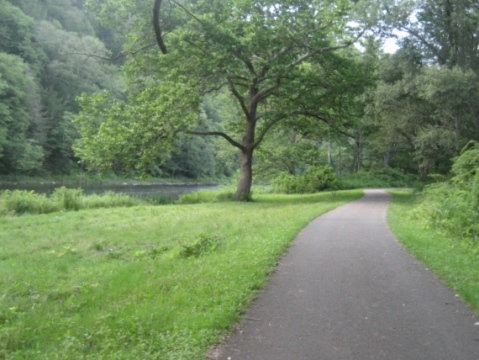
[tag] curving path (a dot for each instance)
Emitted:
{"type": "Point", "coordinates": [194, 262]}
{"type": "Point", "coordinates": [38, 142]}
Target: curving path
{"type": "Point", "coordinates": [347, 289]}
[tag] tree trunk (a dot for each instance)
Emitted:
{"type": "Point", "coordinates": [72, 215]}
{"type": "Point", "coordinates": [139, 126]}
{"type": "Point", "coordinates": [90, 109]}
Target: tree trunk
{"type": "Point", "coordinates": [243, 191]}
{"type": "Point", "coordinates": [387, 156]}
{"type": "Point", "coordinates": [330, 153]}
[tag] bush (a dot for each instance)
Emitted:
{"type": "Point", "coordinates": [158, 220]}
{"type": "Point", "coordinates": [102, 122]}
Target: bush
{"type": "Point", "coordinates": [314, 179]}
{"type": "Point", "coordinates": [318, 178]}
{"type": "Point", "coordinates": [453, 206]}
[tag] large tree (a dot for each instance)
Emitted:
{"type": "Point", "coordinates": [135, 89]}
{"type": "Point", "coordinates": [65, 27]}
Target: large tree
{"type": "Point", "coordinates": [272, 56]}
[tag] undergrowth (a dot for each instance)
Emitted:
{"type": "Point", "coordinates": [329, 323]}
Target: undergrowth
{"type": "Point", "coordinates": [385, 178]}
{"type": "Point", "coordinates": [452, 206]}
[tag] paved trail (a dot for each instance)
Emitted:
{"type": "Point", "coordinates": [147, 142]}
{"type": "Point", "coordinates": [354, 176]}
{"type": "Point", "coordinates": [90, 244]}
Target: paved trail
{"type": "Point", "coordinates": [346, 289]}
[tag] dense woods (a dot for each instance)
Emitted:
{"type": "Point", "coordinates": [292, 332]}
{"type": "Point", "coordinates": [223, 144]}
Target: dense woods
{"type": "Point", "coordinates": [254, 88]}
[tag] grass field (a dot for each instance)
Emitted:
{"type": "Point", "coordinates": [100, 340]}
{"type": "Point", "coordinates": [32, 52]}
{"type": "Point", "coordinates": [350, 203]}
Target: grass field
{"type": "Point", "coordinates": [453, 260]}
{"type": "Point", "coordinates": [144, 282]}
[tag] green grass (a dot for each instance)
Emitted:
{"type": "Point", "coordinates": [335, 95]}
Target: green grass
{"type": "Point", "coordinates": [386, 178]}
{"type": "Point", "coordinates": [145, 282]}
{"type": "Point", "coordinates": [18, 202]}
{"type": "Point", "coordinates": [454, 261]}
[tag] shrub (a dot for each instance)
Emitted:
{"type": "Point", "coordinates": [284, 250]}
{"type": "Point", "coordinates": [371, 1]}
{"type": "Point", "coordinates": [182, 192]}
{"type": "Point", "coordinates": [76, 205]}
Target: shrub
{"type": "Point", "coordinates": [314, 179]}
{"type": "Point", "coordinates": [453, 206]}
{"type": "Point", "coordinates": [319, 178]}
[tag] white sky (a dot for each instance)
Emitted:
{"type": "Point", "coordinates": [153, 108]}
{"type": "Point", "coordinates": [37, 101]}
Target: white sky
{"type": "Point", "coordinates": [390, 46]}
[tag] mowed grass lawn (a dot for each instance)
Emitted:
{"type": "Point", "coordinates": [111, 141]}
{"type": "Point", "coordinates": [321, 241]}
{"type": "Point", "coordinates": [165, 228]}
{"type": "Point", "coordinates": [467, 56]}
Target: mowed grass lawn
{"type": "Point", "coordinates": [146, 282]}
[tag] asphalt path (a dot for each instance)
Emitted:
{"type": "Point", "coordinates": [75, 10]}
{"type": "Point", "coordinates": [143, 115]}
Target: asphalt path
{"type": "Point", "coordinates": [346, 289]}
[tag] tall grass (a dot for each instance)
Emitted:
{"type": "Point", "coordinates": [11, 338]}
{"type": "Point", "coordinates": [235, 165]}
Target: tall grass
{"type": "Point", "coordinates": [145, 282]}
{"type": "Point", "coordinates": [19, 202]}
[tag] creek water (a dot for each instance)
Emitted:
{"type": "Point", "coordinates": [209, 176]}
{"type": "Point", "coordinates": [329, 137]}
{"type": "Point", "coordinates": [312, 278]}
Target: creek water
{"type": "Point", "coordinates": [133, 189]}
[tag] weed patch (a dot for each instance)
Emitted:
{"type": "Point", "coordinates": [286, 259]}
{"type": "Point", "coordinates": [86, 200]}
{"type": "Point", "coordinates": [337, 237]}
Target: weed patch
{"type": "Point", "coordinates": [203, 244]}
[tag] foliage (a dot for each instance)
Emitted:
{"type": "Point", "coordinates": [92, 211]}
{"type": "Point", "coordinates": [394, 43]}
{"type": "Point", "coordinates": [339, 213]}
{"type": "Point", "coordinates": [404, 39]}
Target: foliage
{"type": "Point", "coordinates": [314, 179]}
{"type": "Point", "coordinates": [19, 150]}
{"type": "Point", "coordinates": [425, 115]}
{"type": "Point", "coordinates": [49, 54]}
{"type": "Point", "coordinates": [103, 283]}
{"type": "Point", "coordinates": [452, 206]}
{"type": "Point", "coordinates": [424, 106]}
{"type": "Point", "coordinates": [381, 178]}
{"type": "Point", "coordinates": [445, 32]}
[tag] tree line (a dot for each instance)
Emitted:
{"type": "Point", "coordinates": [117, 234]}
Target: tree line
{"type": "Point", "coordinates": [210, 87]}
{"type": "Point", "coordinates": [52, 52]}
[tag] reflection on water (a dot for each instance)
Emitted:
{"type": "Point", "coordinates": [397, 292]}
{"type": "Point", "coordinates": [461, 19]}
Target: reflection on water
{"type": "Point", "coordinates": [134, 189]}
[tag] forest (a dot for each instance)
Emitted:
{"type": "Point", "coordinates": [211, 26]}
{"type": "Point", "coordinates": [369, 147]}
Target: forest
{"type": "Point", "coordinates": [253, 89]}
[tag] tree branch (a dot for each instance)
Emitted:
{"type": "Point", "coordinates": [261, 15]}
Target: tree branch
{"type": "Point", "coordinates": [313, 115]}
{"type": "Point", "coordinates": [219, 133]}
{"type": "Point", "coordinates": [267, 91]}
{"type": "Point", "coordinates": [266, 129]}
{"type": "Point", "coordinates": [434, 50]}
{"type": "Point", "coordinates": [238, 96]}
{"type": "Point", "coordinates": [328, 48]}
{"type": "Point", "coordinates": [187, 11]}
{"type": "Point", "coordinates": [156, 26]}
